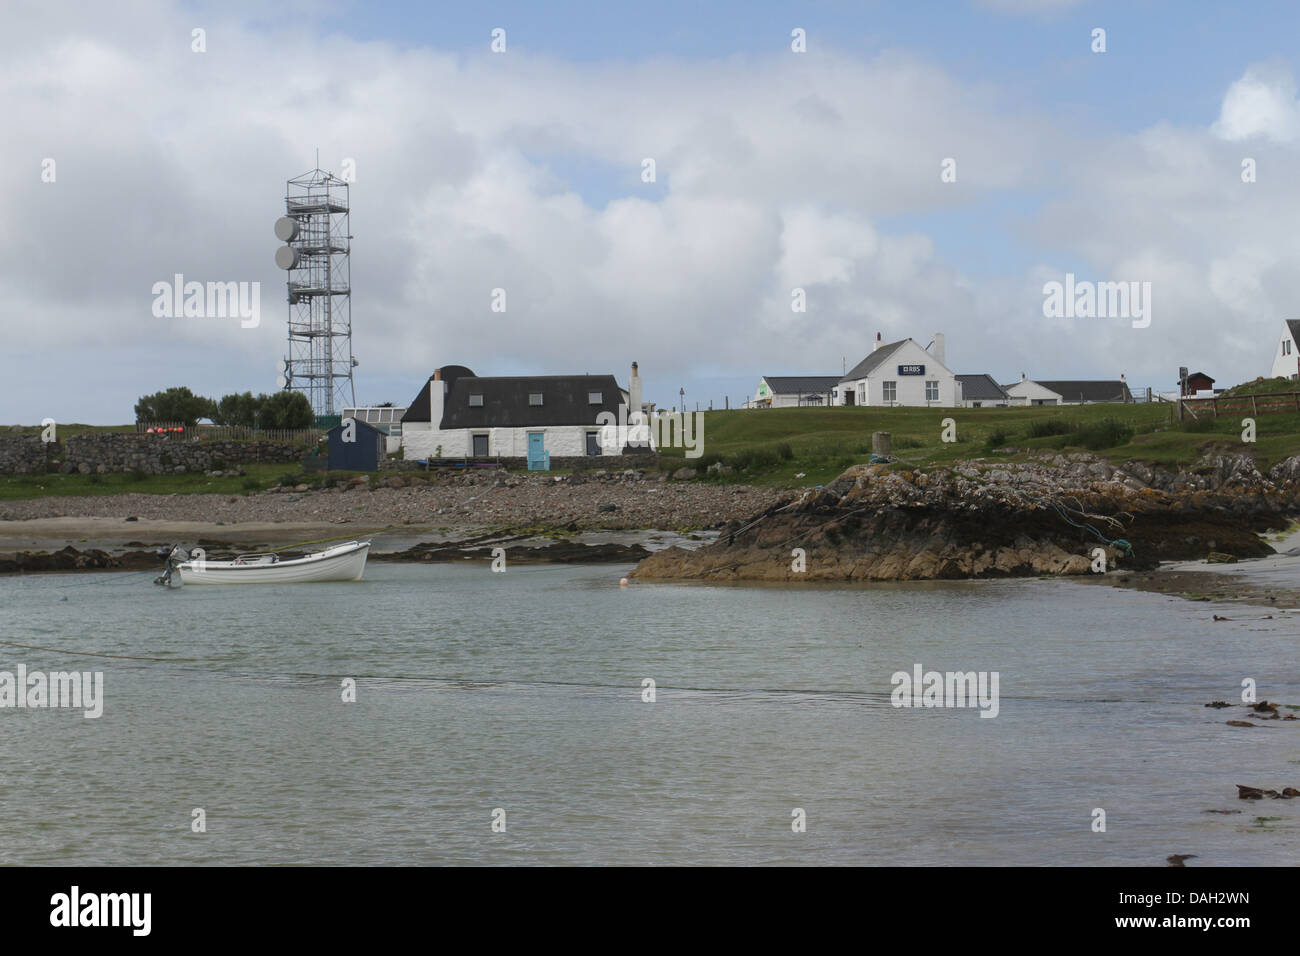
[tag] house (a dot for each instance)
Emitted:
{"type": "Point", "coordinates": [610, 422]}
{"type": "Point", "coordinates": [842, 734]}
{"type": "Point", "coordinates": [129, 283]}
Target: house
{"type": "Point", "coordinates": [792, 391]}
{"type": "Point", "coordinates": [461, 415]}
{"type": "Point", "coordinates": [980, 391]}
{"type": "Point", "coordinates": [1070, 392]}
{"type": "Point", "coordinates": [1286, 357]}
{"type": "Point", "coordinates": [900, 373]}
{"type": "Point", "coordinates": [384, 417]}
{"type": "Point", "coordinates": [1197, 382]}
{"type": "Point", "coordinates": [356, 446]}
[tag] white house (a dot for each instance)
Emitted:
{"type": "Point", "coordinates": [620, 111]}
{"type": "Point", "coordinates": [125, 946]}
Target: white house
{"type": "Point", "coordinates": [1286, 358]}
{"type": "Point", "coordinates": [460, 415]}
{"type": "Point", "coordinates": [900, 373]}
{"type": "Point", "coordinates": [793, 391]}
{"type": "Point", "coordinates": [1067, 392]}
{"type": "Point", "coordinates": [980, 391]}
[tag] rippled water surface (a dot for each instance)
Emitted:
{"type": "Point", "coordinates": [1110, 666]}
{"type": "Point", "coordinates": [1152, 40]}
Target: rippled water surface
{"type": "Point", "coordinates": [523, 691]}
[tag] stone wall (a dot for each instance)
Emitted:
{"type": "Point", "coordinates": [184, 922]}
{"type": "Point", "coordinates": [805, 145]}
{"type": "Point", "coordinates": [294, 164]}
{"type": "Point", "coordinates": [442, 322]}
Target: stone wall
{"type": "Point", "coordinates": [121, 452]}
{"type": "Point", "coordinates": [26, 455]}
{"type": "Point", "coordinates": [575, 463]}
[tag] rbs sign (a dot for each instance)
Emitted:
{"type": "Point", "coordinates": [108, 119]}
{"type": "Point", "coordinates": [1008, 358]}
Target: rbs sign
{"type": "Point", "coordinates": [911, 370]}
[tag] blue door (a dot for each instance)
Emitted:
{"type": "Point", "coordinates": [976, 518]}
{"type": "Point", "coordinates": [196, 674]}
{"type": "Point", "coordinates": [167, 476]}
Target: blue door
{"type": "Point", "coordinates": [538, 458]}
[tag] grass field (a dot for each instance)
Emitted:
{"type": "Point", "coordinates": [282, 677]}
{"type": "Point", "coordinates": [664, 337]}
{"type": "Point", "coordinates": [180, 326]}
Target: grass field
{"type": "Point", "coordinates": [257, 478]}
{"type": "Point", "coordinates": [772, 446]}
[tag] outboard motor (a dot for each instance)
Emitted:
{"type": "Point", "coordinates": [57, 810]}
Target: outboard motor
{"type": "Point", "coordinates": [174, 556]}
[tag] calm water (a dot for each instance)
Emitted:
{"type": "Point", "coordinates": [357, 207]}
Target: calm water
{"type": "Point", "coordinates": [523, 691]}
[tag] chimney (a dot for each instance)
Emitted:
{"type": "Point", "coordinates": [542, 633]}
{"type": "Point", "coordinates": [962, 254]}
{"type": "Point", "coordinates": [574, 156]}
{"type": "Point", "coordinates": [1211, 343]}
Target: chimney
{"type": "Point", "coordinates": [634, 392]}
{"type": "Point", "coordinates": [437, 396]}
{"type": "Point", "coordinates": [1022, 376]}
{"type": "Point", "coordinates": [878, 342]}
{"type": "Point", "coordinates": [938, 349]}
{"type": "Point", "coordinates": [437, 375]}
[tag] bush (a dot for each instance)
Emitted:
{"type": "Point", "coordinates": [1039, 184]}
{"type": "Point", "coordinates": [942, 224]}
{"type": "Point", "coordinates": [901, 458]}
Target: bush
{"type": "Point", "coordinates": [1104, 434]}
{"type": "Point", "coordinates": [252, 484]}
{"type": "Point", "coordinates": [784, 451]}
{"type": "Point", "coordinates": [996, 439]}
{"type": "Point", "coordinates": [1052, 426]}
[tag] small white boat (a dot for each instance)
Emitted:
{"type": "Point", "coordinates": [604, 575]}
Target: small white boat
{"type": "Point", "coordinates": [343, 562]}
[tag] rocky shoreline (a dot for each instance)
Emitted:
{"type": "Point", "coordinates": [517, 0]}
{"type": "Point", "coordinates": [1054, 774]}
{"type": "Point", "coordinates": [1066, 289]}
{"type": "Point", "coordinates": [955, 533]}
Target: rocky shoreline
{"type": "Point", "coordinates": [1044, 517]}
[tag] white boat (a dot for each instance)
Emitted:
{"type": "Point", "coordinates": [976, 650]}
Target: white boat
{"type": "Point", "coordinates": [343, 562]}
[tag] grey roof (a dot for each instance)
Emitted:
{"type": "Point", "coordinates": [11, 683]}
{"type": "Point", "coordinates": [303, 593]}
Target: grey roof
{"type": "Point", "coordinates": [877, 357]}
{"type": "Point", "coordinates": [1075, 391]}
{"type": "Point", "coordinates": [1294, 326]}
{"type": "Point", "coordinates": [980, 387]}
{"type": "Point", "coordinates": [418, 410]}
{"type": "Point", "coordinates": [505, 401]}
{"type": "Point", "coordinates": [800, 384]}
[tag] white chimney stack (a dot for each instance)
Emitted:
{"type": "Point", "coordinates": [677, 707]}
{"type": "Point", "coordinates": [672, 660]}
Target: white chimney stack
{"type": "Point", "coordinates": [878, 342]}
{"type": "Point", "coordinates": [634, 392]}
{"type": "Point", "coordinates": [938, 349]}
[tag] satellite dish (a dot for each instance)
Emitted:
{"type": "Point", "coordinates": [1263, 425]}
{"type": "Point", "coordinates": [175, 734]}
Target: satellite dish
{"type": "Point", "coordinates": [286, 229]}
{"type": "Point", "coordinates": [286, 257]}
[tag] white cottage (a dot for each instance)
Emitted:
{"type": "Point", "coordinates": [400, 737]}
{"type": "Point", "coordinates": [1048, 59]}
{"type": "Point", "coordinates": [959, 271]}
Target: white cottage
{"type": "Point", "coordinates": [461, 415]}
{"type": "Point", "coordinates": [900, 373]}
{"type": "Point", "coordinates": [1286, 357]}
{"type": "Point", "coordinates": [1068, 392]}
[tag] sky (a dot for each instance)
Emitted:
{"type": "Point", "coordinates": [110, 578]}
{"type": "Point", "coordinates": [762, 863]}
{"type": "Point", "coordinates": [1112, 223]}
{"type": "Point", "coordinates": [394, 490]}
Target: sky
{"type": "Point", "coordinates": [127, 157]}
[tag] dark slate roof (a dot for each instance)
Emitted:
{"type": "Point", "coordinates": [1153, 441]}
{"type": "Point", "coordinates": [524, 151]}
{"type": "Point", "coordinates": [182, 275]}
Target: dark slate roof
{"type": "Point", "coordinates": [1072, 391]}
{"type": "Point", "coordinates": [864, 368]}
{"type": "Point", "coordinates": [505, 401]}
{"type": "Point", "coordinates": [801, 384]}
{"type": "Point", "coordinates": [980, 387]}
{"type": "Point", "coordinates": [418, 410]}
{"type": "Point", "coordinates": [1294, 326]}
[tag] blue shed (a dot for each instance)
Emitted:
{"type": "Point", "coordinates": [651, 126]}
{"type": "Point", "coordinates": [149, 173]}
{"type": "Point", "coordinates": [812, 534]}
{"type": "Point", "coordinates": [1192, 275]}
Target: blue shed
{"type": "Point", "coordinates": [356, 446]}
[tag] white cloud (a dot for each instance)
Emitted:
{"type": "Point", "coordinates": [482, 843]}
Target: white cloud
{"type": "Point", "coordinates": [1262, 103]}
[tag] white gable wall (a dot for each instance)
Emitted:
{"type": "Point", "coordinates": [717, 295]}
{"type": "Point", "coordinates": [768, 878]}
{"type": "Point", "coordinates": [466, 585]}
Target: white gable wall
{"type": "Point", "coordinates": [1285, 356]}
{"type": "Point", "coordinates": [909, 389]}
{"type": "Point", "coordinates": [1031, 393]}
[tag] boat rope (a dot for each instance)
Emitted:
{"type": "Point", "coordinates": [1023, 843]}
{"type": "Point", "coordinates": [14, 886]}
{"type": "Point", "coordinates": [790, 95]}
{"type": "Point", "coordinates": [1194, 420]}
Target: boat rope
{"type": "Point", "coordinates": [120, 657]}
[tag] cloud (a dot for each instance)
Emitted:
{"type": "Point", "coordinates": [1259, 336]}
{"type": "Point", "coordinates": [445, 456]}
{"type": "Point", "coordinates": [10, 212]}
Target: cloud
{"type": "Point", "coordinates": [1261, 104]}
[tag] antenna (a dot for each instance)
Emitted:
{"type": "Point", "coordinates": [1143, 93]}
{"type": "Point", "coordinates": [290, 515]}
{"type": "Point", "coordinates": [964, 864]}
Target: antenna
{"type": "Point", "coordinates": [317, 260]}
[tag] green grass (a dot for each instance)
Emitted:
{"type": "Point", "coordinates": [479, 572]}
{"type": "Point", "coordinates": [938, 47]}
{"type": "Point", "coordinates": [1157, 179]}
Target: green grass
{"type": "Point", "coordinates": [257, 477]}
{"type": "Point", "coordinates": [822, 442]}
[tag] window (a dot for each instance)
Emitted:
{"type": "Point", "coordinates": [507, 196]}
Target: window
{"type": "Point", "coordinates": [931, 391]}
{"type": "Point", "coordinates": [976, 404]}
{"type": "Point", "coordinates": [595, 398]}
{"type": "Point", "coordinates": [1286, 346]}
{"type": "Point", "coordinates": [534, 398]}
{"type": "Point", "coordinates": [480, 445]}
{"type": "Point", "coordinates": [891, 391]}
{"type": "Point", "coordinates": [593, 443]}
{"type": "Point", "coordinates": [476, 401]}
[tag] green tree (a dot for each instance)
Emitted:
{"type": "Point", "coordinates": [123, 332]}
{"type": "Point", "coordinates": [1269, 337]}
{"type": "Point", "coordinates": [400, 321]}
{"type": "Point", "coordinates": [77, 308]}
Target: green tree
{"type": "Point", "coordinates": [239, 409]}
{"type": "Point", "coordinates": [177, 404]}
{"type": "Point", "coordinates": [285, 409]}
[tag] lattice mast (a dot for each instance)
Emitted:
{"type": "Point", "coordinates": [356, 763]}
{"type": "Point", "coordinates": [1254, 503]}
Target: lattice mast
{"type": "Point", "coordinates": [317, 233]}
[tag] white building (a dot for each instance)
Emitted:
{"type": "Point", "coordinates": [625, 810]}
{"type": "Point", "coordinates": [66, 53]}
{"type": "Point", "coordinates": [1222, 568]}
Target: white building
{"type": "Point", "coordinates": [900, 373]}
{"type": "Point", "coordinates": [980, 391]}
{"type": "Point", "coordinates": [1067, 392]}
{"type": "Point", "coordinates": [1286, 358]}
{"type": "Point", "coordinates": [795, 391]}
{"type": "Point", "coordinates": [460, 415]}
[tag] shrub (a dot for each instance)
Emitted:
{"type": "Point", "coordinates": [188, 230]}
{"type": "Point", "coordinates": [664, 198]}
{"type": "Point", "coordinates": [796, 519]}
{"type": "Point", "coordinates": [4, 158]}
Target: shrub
{"type": "Point", "coordinates": [252, 484]}
{"type": "Point", "coordinates": [1052, 426]}
{"type": "Point", "coordinates": [1104, 434]}
{"type": "Point", "coordinates": [997, 439]}
{"type": "Point", "coordinates": [784, 451]}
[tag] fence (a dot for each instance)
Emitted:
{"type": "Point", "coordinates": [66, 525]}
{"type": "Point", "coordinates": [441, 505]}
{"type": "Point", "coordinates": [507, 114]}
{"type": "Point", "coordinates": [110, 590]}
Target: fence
{"type": "Point", "coordinates": [176, 431]}
{"type": "Point", "coordinates": [1267, 403]}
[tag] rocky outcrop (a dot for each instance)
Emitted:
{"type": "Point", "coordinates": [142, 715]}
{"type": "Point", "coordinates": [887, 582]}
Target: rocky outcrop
{"type": "Point", "coordinates": [1048, 516]}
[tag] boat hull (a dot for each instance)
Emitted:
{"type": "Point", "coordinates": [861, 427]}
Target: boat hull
{"type": "Point", "coordinates": [346, 563]}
